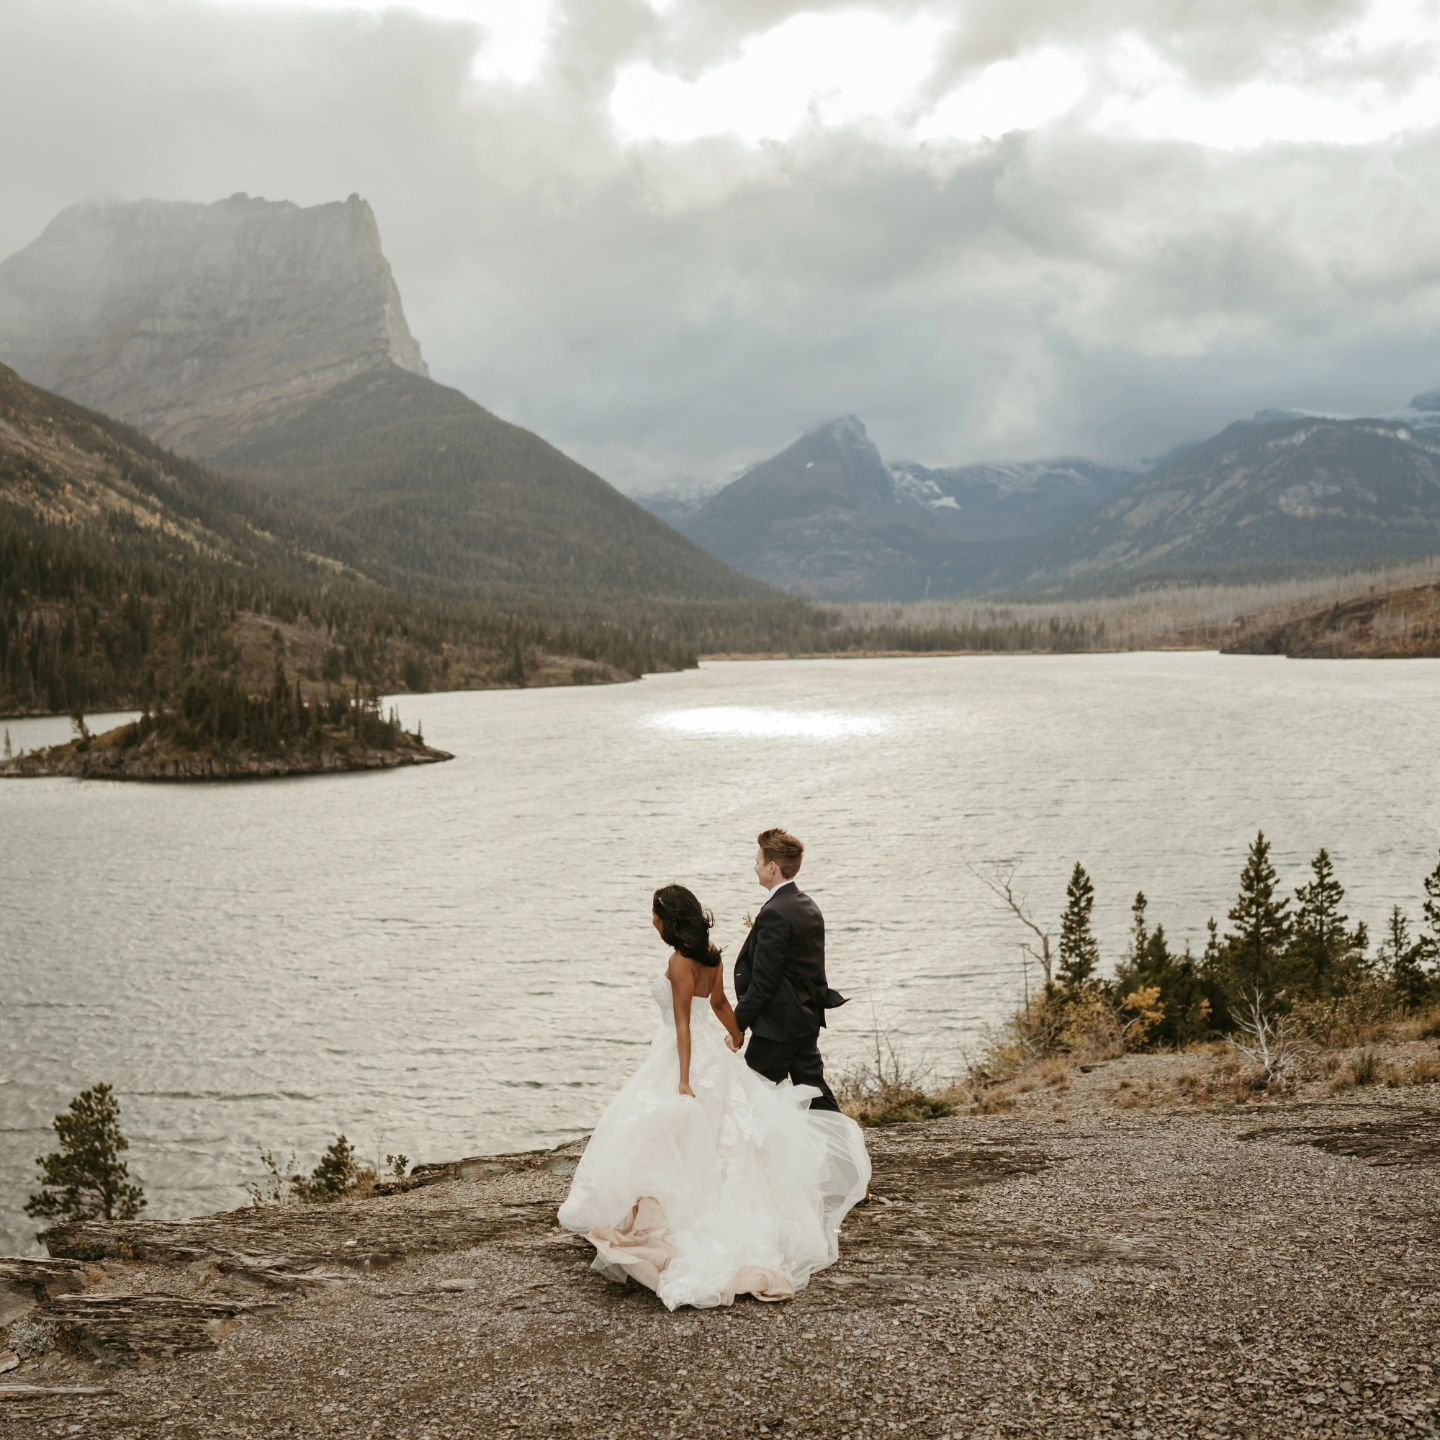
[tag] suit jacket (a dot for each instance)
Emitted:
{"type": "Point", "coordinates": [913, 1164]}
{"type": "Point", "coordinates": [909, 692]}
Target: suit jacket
{"type": "Point", "coordinates": [780, 972]}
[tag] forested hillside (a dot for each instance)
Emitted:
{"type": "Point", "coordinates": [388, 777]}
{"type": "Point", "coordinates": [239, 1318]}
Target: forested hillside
{"type": "Point", "coordinates": [123, 567]}
{"type": "Point", "coordinates": [434, 489]}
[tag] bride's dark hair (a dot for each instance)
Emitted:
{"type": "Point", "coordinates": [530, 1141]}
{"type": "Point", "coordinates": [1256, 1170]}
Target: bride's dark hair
{"type": "Point", "coordinates": [685, 924]}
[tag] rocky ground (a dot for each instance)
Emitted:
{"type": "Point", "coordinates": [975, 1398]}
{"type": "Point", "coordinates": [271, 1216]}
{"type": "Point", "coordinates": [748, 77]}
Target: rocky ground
{"type": "Point", "coordinates": [1108, 1258]}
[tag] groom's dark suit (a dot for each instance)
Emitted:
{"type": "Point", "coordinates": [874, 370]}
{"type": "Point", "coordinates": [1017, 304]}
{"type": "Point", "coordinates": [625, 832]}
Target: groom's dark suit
{"type": "Point", "coordinates": [782, 991]}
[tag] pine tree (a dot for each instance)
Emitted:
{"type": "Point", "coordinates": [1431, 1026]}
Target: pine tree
{"type": "Point", "coordinates": [1079, 954]}
{"type": "Point", "coordinates": [515, 673]}
{"type": "Point", "coordinates": [9, 750]}
{"type": "Point", "coordinates": [85, 1179]}
{"type": "Point", "coordinates": [1429, 938]}
{"type": "Point", "coordinates": [1254, 951]}
{"type": "Point", "coordinates": [1139, 931]}
{"type": "Point", "coordinates": [1400, 958]}
{"type": "Point", "coordinates": [332, 1177]}
{"type": "Point", "coordinates": [1212, 957]}
{"type": "Point", "coordinates": [1326, 958]}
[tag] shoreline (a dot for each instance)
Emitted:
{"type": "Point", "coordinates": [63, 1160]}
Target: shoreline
{"type": "Point", "coordinates": [746, 657]}
{"type": "Point", "coordinates": [741, 656]}
{"type": "Point", "coordinates": [1060, 1268]}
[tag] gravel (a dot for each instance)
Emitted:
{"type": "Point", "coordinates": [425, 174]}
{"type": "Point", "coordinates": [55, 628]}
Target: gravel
{"type": "Point", "coordinates": [1071, 1269]}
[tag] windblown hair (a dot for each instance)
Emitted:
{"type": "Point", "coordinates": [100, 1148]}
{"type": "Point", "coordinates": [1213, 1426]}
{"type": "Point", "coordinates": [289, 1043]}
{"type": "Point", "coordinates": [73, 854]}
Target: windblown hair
{"type": "Point", "coordinates": [685, 924]}
{"type": "Point", "coordinates": [781, 848]}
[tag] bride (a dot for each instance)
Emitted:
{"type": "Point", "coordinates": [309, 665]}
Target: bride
{"type": "Point", "coordinates": [703, 1180]}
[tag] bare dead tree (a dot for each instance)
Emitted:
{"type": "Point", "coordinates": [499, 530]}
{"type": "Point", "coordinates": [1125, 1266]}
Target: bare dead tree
{"type": "Point", "coordinates": [999, 879]}
{"type": "Point", "coordinates": [1268, 1043]}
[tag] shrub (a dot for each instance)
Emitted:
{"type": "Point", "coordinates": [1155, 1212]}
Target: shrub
{"type": "Point", "coordinates": [339, 1174]}
{"type": "Point", "coordinates": [888, 1091]}
{"type": "Point", "coordinates": [1347, 1019]}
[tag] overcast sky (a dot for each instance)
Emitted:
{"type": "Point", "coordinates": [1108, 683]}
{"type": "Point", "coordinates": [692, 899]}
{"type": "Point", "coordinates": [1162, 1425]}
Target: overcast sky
{"type": "Point", "coordinates": [670, 235]}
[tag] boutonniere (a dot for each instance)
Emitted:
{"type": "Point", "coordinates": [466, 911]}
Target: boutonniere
{"type": "Point", "coordinates": [749, 921]}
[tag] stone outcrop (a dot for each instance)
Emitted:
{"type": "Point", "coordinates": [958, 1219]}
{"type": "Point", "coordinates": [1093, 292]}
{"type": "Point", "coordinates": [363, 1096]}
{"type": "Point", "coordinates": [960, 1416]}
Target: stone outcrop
{"type": "Point", "coordinates": [198, 323]}
{"type": "Point", "coordinates": [24, 1284]}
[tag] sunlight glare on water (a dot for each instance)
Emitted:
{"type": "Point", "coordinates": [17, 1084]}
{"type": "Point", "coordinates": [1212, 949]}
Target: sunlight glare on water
{"type": "Point", "coordinates": [759, 723]}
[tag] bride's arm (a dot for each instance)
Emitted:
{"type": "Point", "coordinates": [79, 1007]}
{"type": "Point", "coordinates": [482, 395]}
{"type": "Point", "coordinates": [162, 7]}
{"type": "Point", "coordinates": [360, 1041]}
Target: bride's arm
{"type": "Point", "coordinates": [682, 991]}
{"type": "Point", "coordinates": [720, 1004]}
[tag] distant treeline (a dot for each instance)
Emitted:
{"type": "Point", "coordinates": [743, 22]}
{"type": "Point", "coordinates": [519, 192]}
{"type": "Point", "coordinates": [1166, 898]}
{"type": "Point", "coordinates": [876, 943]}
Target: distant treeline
{"type": "Point", "coordinates": [1148, 616]}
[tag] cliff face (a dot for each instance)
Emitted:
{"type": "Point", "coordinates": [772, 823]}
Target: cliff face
{"type": "Point", "coordinates": [199, 323]}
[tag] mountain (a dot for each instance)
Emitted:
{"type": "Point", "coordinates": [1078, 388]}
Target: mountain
{"type": "Point", "coordinates": [1284, 493]}
{"type": "Point", "coordinates": [821, 518]}
{"type": "Point", "coordinates": [829, 518]}
{"type": "Point", "coordinates": [125, 568]}
{"type": "Point", "coordinates": [438, 490]}
{"type": "Point", "coordinates": [1011, 502]}
{"type": "Point", "coordinates": [122, 565]}
{"type": "Point", "coordinates": [269, 339]}
{"type": "Point", "coordinates": [676, 503]}
{"type": "Point", "coordinates": [196, 323]}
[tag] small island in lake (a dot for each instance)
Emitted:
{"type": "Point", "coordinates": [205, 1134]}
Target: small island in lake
{"type": "Point", "coordinates": [216, 731]}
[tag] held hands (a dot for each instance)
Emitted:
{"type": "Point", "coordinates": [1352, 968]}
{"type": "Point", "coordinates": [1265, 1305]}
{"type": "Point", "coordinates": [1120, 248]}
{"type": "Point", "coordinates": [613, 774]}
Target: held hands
{"type": "Point", "coordinates": [735, 1042]}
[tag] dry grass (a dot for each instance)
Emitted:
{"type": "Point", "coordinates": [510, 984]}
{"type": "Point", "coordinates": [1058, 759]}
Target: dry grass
{"type": "Point", "coordinates": [1369, 1068]}
{"type": "Point", "coordinates": [1332, 1047]}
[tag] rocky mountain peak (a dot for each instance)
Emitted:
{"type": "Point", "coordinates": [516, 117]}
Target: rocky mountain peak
{"type": "Point", "coordinates": [846, 431]}
{"type": "Point", "coordinates": [197, 323]}
{"type": "Point", "coordinates": [1426, 400]}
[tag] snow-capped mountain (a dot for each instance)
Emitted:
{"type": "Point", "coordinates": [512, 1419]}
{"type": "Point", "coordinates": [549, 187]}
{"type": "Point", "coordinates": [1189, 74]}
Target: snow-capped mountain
{"type": "Point", "coordinates": [828, 517]}
{"type": "Point", "coordinates": [1285, 492]}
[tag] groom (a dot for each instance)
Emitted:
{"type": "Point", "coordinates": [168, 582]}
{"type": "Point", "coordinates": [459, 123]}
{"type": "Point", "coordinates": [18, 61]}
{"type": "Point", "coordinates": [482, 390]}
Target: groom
{"type": "Point", "coordinates": [780, 974]}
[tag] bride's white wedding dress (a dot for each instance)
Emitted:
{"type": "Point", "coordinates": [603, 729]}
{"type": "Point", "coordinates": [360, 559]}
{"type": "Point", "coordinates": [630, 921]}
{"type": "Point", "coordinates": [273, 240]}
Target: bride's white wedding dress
{"type": "Point", "coordinates": [740, 1190]}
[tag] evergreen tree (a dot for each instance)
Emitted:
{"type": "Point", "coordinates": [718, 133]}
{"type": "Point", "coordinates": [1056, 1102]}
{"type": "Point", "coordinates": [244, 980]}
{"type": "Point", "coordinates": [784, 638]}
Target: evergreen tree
{"type": "Point", "coordinates": [1185, 999]}
{"type": "Point", "coordinates": [9, 749]}
{"type": "Point", "coordinates": [515, 671]}
{"type": "Point", "coordinates": [332, 1177]}
{"type": "Point", "coordinates": [1429, 939]}
{"type": "Point", "coordinates": [85, 1179]}
{"type": "Point", "coordinates": [1212, 958]}
{"type": "Point", "coordinates": [1326, 958]}
{"type": "Point", "coordinates": [1139, 931]}
{"type": "Point", "coordinates": [1401, 960]}
{"type": "Point", "coordinates": [1254, 952]}
{"type": "Point", "coordinates": [1079, 954]}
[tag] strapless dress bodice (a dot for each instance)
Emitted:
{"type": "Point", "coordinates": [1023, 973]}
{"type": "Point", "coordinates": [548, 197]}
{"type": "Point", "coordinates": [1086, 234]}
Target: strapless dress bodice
{"type": "Point", "coordinates": [663, 994]}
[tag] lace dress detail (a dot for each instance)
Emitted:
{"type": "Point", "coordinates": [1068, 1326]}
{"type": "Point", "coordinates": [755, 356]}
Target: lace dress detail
{"type": "Point", "coordinates": [740, 1190]}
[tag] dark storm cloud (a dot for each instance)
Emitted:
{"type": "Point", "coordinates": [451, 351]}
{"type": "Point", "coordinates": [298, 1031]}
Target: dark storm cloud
{"type": "Point", "coordinates": [663, 311]}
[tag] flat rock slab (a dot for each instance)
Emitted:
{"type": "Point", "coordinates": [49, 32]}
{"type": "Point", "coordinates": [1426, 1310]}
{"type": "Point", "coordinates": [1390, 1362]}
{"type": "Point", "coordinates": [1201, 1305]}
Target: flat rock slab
{"type": "Point", "coordinates": [288, 1239]}
{"type": "Point", "coordinates": [47, 1392]}
{"type": "Point", "coordinates": [122, 1329]}
{"type": "Point", "coordinates": [24, 1284]}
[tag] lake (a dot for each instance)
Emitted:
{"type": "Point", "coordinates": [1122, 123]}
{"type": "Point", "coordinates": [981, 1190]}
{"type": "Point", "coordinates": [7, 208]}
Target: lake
{"type": "Point", "coordinates": [454, 960]}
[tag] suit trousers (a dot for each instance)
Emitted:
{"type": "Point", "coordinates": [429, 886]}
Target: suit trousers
{"type": "Point", "coordinates": [799, 1060]}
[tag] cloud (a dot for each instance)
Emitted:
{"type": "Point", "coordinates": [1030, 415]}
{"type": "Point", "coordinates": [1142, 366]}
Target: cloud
{"type": "Point", "coordinates": [989, 246]}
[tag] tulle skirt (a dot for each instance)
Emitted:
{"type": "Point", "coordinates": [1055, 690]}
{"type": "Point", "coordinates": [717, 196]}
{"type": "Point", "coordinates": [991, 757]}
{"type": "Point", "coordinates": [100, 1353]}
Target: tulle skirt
{"type": "Point", "coordinates": [740, 1190]}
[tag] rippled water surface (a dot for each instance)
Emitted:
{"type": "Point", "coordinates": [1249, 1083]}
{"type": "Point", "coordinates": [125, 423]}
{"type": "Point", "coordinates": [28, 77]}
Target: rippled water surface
{"type": "Point", "coordinates": [455, 960]}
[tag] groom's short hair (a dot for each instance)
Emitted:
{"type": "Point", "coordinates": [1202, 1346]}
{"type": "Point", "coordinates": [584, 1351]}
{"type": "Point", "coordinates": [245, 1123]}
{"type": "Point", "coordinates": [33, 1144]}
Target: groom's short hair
{"type": "Point", "coordinates": [781, 848]}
